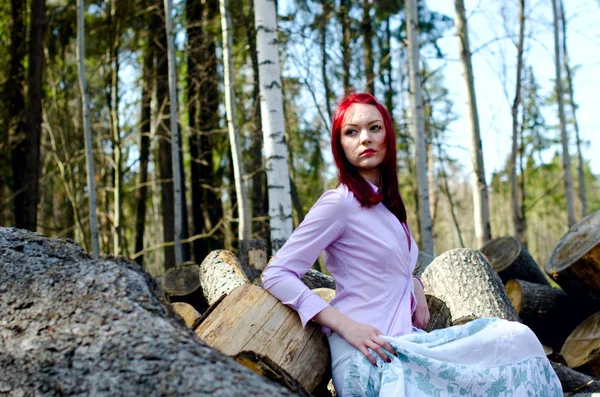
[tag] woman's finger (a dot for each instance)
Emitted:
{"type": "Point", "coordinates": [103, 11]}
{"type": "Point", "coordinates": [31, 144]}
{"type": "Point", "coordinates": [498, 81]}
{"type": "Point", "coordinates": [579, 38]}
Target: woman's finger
{"type": "Point", "coordinates": [368, 355]}
{"type": "Point", "coordinates": [381, 342]}
{"type": "Point", "coordinates": [377, 349]}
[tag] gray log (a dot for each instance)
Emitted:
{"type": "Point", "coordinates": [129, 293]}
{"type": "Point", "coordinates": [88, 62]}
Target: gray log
{"type": "Point", "coordinates": [71, 324]}
{"type": "Point", "coordinates": [574, 381]}
{"type": "Point", "coordinates": [220, 273]}
{"type": "Point", "coordinates": [315, 279]}
{"type": "Point", "coordinates": [464, 280]}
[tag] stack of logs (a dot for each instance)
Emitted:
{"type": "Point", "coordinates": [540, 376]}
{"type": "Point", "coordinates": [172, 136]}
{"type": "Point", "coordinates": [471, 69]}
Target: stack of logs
{"type": "Point", "coordinates": [223, 302]}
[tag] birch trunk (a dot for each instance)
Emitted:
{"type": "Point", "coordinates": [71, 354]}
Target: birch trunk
{"type": "Point", "coordinates": [243, 204]}
{"type": "Point", "coordinates": [516, 212]}
{"type": "Point", "coordinates": [568, 178]}
{"type": "Point", "coordinates": [480, 193]}
{"type": "Point", "coordinates": [580, 173]}
{"type": "Point", "coordinates": [175, 144]}
{"type": "Point", "coordinates": [346, 55]}
{"type": "Point", "coordinates": [87, 126]}
{"type": "Point", "coordinates": [418, 127]}
{"type": "Point", "coordinates": [271, 101]}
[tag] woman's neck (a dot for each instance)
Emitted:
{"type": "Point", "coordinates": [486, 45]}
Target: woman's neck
{"type": "Point", "coordinates": [371, 176]}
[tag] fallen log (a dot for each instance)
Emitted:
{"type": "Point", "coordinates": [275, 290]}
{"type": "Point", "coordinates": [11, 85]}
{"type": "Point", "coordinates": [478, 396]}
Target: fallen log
{"type": "Point", "coordinates": [251, 319]}
{"type": "Point", "coordinates": [253, 257]}
{"type": "Point", "coordinates": [439, 314]}
{"type": "Point", "coordinates": [548, 311]}
{"type": "Point", "coordinates": [220, 273]}
{"type": "Point", "coordinates": [315, 279]}
{"type": "Point", "coordinates": [182, 284]}
{"type": "Point", "coordinates": [511, 261]}
{"type": "Point", "coordinates": [327, 294]}
{"type": "Point", "coordinates": [464, 280]}
{"type": "Point", "coordinates": [582, 347]}
{"type": "Point", "coordinates": [575, 262]}
{"type": "Point", "coordinates": [575, 382]}
{"type": "Point", "coordinates": [75, 325]}
{"type": "Point", "coordinates": [423, 260]}
{"type": "Point", "coordinates": [188, 314]}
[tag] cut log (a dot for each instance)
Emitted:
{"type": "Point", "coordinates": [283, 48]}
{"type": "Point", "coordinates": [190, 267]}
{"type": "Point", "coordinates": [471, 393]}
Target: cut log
{"type": "Point", "coordinates": [327, 294]}
{"type": "Point", "coordinates": [266, 367]}
{"type": "Point", "coordinates": [251, 319]}
{"type": "Point", "coordinates": [464, 280]}
{"type": "Point", "coordinates": [511, 261]}
{"type": "Point", "coordinates": [315, 279]}
{"type": "Point", "coordinates": [186, 312]}
{"type": "Point", "coordinates": [74, 325]}
{"type": "Point", "coordinates": [439, 314]}
{"type": "Point", "coordinates": [582, 347]}
{"type": "Point", "coordinates": [575, 382]}
{"type": "Point", "coordinates": [575, 262]}
{"type": "Point", "coordinates": [220, 273]}
{"type": "Point", "coordinates": [253, 257]}
{"type": "Point", "coordinates": [423, 260]}
{"type": "Point", "coordinates": [182, 284]}
{"type": "Point", "coordinates": [548, 311]}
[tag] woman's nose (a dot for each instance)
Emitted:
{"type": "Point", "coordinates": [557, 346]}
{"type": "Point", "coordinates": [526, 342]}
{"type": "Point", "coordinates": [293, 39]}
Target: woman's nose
{"type": "Point", "coordinates": [365, 136]}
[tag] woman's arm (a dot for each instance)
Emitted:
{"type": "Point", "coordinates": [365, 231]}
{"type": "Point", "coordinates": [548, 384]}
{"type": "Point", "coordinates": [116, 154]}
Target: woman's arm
{"type": "Point", "coordinates": [421, 313]}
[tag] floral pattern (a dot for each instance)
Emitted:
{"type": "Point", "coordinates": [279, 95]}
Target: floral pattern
{"type": "Point", "coordinates": [415, 372]}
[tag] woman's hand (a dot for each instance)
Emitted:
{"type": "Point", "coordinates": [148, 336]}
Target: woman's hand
{"type": "Point", "coordinates": [421, 314]}
{"type": "Point", "coordinates": [359, 335]}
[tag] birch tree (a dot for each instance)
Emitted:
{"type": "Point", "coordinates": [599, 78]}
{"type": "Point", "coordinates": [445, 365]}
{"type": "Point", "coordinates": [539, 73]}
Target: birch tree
{"type": "Point", "coordinates": [580, 173]}
{"type": "Point", "coordinates": [566, 159]}
{"type": "Point", "coordinates": [271, 106]}
{"type": "Point", "coordinates": [418, 126]}
{"type": "Point", "coordinates": [480, 192]}
{"type": "Point", "coordinates": [87, 127]}
{"type": "Point", "coordinates": [241, 191]}
{"type": "Point", "coordinates": [175, 144]}
{"type": "Point", "coordinates": [516, 213]}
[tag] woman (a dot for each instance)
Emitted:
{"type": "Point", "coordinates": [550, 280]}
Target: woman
{"type": "Point", "coordinates": [361, 229]}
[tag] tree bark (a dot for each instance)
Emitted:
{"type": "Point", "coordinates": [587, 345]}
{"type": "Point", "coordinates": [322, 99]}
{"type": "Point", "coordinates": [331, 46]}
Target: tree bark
{"type": "Point", "coordinates": [575, 382]}
{"type": "Point", "coordinates": [26, 158]}
{"type": "Point", "coordinates": [580, 173]}
{"type": "Point", "coordinates": [327, 6]}
{"type": "Point", "coordinates": [480, 193]}
{"type": "Point", "coordinates": [100, 327]}
{"type": "Point", "coordinates": [275, 147]}
{"type": "Point", "coordinates": [243, 203]}
{"type": "Point", "coordinates": [87, 129]}
{"type": "Point", "coordinates": [568, 178]}
{"type": "Point", "coordinates": [418, 128]}
{"type": "Point", "coordinates": [463, 279]}
{"type": "Point", "coordinates": [220, 273]}
{"type": "Point", "coordinates": [516, 213]}
{"type": "Point", "coordinates": [344, 16]}
{"type": "Point", "coordinates": [367, 33]}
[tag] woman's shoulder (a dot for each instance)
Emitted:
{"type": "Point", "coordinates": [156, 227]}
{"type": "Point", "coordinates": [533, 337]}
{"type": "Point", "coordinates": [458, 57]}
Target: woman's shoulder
{"type": "Point", "coordinates": [341, 196]}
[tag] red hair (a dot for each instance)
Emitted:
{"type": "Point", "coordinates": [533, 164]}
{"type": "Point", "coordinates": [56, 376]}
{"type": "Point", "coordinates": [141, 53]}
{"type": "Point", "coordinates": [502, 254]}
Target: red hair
{"type": "Point", "coordinates": [389, 193]}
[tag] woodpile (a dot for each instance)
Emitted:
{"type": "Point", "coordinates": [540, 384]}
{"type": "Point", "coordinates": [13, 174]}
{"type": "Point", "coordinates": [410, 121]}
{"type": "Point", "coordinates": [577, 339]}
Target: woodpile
{"type": "Point", "coordinates": [228, 313]}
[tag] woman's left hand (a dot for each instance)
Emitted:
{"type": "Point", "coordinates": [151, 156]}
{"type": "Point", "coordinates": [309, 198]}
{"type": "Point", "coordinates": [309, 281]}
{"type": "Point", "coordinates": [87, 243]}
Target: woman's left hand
{"type": "Point", "coordinates": [421, 314]}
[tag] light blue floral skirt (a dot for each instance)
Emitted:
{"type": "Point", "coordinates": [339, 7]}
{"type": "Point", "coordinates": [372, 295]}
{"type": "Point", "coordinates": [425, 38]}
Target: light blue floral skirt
{"type": "Point", "coordinates": [485, 357]}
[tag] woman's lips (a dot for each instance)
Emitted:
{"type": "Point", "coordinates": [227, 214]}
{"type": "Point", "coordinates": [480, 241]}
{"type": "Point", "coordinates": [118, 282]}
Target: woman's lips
{"type": "Point", "coordinates": [367, 152]}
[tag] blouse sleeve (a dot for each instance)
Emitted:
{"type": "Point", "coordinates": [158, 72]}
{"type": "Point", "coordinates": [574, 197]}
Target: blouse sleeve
{"type": "Point", "coordinates": [323, 224]}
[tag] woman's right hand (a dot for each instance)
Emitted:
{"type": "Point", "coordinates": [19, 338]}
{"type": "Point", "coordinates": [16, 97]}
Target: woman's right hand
{"type": "Point", "coordinates": [364, 337]}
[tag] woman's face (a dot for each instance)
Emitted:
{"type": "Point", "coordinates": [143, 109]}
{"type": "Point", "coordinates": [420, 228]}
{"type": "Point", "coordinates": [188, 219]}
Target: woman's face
{"type": "Point", "coordinates": [363, 139]}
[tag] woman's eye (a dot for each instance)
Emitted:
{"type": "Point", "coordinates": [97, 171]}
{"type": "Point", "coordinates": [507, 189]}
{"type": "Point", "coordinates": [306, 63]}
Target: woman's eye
{"type": "Point", "coordinates": [349, 132]}
{"type": "Point", "coordinates": [376, 127]}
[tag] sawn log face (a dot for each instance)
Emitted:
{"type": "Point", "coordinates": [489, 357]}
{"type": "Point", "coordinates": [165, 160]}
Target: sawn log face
{"type": "Point", "coordinates": [70, 324]}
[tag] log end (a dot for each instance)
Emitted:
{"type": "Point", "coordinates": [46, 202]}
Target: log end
{"type": "Point", "coordinates": [583, 344]}
{"type": "Point", "coordinates": [501, 252]}
{"type": "Point", "coordinates": [181, 280]}
{"type": "Point", "coordinates": [186, 312]}
{"type": "Point", "coordinates": [513, 289]}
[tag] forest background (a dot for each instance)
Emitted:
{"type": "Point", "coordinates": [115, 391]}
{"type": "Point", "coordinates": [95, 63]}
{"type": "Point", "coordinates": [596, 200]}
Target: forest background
{"type": "Point", "coordinates": [326, 50]}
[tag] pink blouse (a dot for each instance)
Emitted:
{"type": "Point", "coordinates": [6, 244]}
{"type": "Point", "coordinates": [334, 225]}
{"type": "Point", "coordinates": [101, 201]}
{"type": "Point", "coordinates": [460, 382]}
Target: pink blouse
{"type": "Point", "coordinates": [366, 250]}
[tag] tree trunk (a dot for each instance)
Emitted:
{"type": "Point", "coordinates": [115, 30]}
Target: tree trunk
{"type": "Point", "coordinates": [463, 279]}
{"type": "Point", "coordinates": [344, 16]}
{"type": "Point", "coordinates": [26, 158]}
{"type": "Point", "coordinates": [13, 98]}
{"type": "Point", "coordinates": [87, 129]}
{"type": "Point", "coordinates": [575, 382]}
{"type": "Point", "coordinates": [251, 319]}
{"type": "Point", "coordinates": [575, 262]}
{"type": "Point", "coordinates": [582, 347]}
{"type": "Point", "coordinates": [516, 213]}
{"type": "Point", "coordinates": [175, 144]}
{"type": "Point", "coordinates": [100, 327]}
{"type": "Point", "coordinates": [275, 147]}
{"type": "Point", "coordinates": [418, 128]}
{"type": "Point", "coordinates": [220, 273]}
{"type": "Point", "coordinates": [243, 204]}
{"type": "Point", "coordinates": [367, 33]}
{"type": "Point", "coordinates": [580, 173]}
{"type": "Point", "coordinates": [548, 311]}
{"type": "Point", "coordinates": [511, 260]}
{"type": "Point", "coordinates": [480, 193]}
{"type": "Point", "coordinates": [568, 178]}
{"type": "Point", "coordinates": [182, 284]}
{"type": "Point", "coordinates": [327, 6]}
{"type": "Point", "coordinates": [145, 123]}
